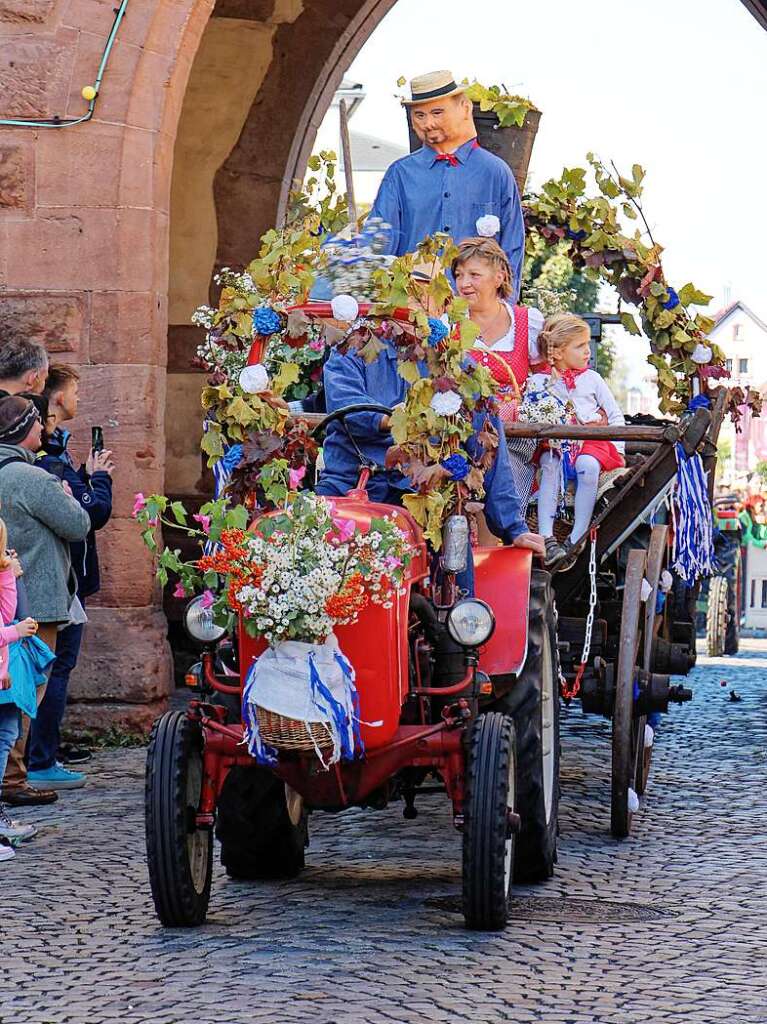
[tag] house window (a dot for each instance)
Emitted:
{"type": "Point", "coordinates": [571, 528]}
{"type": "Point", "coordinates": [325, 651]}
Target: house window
{"type": "Point", "coordinates": [743, 366]}
{"type": "Point", "coordinates": [728, 365]}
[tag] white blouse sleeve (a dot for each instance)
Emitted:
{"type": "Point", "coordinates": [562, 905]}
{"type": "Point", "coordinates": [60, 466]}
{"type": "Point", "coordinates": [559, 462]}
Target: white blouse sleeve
{"type": "Point", "coordinates": [607, 401]}
{"type": "Point", "coordinates": [534, 325]}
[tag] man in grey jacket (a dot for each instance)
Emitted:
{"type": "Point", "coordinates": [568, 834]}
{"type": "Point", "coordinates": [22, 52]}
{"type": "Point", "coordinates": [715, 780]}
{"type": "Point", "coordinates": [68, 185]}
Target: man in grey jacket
{"type": "Point", "coordinates": [42, 520]}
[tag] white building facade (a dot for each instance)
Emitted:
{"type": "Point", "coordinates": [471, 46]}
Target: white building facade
{"type": "Point", "coordinates": [742, 336]}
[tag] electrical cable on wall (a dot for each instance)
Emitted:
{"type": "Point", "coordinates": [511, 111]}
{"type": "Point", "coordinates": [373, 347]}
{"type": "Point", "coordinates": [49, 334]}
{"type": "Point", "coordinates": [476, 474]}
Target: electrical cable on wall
{"type": "Point", "coordinates": [90, 93]}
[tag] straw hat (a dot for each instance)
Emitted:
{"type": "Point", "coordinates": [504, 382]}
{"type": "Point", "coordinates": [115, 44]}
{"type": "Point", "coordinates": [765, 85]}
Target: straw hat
{"type": "Point", "coordinates": [437, 84]}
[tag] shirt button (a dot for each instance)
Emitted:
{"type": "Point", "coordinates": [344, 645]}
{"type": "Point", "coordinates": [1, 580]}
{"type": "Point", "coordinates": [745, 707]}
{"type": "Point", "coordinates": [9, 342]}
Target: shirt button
{"type": "Point", "coordinates": [446, 227]}
{"type": "Point", "coordinates": [447, 195]}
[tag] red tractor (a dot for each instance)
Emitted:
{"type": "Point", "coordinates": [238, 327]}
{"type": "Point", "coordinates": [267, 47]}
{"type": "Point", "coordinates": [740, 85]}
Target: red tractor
{"type": "Point", "coordinates": [464, 694]}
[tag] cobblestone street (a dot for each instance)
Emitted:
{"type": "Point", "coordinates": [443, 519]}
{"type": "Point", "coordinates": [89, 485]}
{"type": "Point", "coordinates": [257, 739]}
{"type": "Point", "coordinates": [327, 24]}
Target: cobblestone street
{"type": "Point", "coordinates": [667, 926]}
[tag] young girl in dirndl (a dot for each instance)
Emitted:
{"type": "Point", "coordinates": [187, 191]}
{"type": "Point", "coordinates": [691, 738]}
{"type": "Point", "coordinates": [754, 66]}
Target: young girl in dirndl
{"type": "Point", "coordinates": [564, 340]}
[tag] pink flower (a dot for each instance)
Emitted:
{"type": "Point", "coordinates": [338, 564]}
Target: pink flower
{"type": "Point", "coordinates": [153, 521]}
{"type": "Point", "coordinates": [139, 504]}
{"type": "Point", "coordinates": [391, 563]}
{"type": "Point", "coordinates": [295, 476]}
{"type": "Point", "coordinates": [179, 591]}
{"type": "Point", "coordinates": [344, 529]}
{"type": "Point", "coordinates": [204, 522]}
{"type": "Point", "coordinates": [208, 600]}
{"type": "Point", "coordinates": [317, 345]}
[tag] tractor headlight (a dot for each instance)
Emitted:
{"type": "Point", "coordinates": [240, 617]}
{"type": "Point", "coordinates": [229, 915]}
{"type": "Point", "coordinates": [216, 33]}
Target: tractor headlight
{"type": "Point", "coordinates": [199, 624]}
{"type": "Point", "coordinates": [471, 622]}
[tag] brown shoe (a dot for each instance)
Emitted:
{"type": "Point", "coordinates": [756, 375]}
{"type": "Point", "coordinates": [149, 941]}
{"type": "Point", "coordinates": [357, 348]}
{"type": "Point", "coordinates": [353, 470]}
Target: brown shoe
{"type": "Point", "coordinates": [26, 796]}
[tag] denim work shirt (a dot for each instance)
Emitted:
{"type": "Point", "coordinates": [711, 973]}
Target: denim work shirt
{"type": "Point", "coordinates": [350, 381]}
{"type": "Point", "coordinates": [421, 195]}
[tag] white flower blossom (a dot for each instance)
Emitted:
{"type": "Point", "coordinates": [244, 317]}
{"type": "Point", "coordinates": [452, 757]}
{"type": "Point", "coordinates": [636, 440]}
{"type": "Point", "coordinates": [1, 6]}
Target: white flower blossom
{"type": "Point", "coordinates": [488, 225]}
{"type": "Point", "coordinates": [446, 403]}
{"type": "Point", "coordinates": [254, 379]}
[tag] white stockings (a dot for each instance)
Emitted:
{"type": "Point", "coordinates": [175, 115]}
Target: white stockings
{"type": "Point", "coordinates": [587, 469]}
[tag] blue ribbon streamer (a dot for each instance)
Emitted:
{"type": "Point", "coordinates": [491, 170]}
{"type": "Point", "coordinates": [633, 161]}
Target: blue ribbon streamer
{"type": "Point", "coordinates": [693, 533]}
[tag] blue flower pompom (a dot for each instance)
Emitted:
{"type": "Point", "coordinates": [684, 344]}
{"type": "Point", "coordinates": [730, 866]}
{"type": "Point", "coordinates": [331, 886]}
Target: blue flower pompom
{"type": "Point", "coordinates": [577, 236]}
{"type": "Point", "coordinates": [457, 466]}
{"type": "Point", "coordinates": [266, 321]}
{"type": "Point", "coordinates": [699, 402]}
{"type": "Point", "coordinates": [673, 299]}
{"type": "Point", "coordinates": [438, 331]}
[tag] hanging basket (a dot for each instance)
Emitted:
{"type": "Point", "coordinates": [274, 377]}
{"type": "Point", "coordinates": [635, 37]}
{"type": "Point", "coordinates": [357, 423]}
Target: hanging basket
{"type": "Point", "coordinates": [301, 698]}
{"type": "Point", "coordinates": [292, 734]}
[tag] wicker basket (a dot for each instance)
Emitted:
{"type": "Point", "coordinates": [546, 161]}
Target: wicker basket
{"type": "Point", "coordinates": [291, 734]}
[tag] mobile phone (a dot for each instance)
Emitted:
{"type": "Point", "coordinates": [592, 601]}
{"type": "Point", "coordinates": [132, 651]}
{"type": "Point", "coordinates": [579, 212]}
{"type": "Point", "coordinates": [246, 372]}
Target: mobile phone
{"type": "Point", "coordinates": [97, 439]}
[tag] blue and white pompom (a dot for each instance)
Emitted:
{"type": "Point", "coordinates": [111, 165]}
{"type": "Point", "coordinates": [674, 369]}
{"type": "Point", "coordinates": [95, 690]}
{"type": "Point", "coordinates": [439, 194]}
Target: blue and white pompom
{"type": "Point", "coordinates": [438, 331]}
{"type": "Point", "coordinates": [266, 321]}
{"type": "Point", "coordinates": [488, 226]}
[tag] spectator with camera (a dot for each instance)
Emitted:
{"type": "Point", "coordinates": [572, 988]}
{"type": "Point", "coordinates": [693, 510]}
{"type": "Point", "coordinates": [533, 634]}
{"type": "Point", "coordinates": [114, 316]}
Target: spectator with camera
{"type": "Point", "coordinates": [91, 486]}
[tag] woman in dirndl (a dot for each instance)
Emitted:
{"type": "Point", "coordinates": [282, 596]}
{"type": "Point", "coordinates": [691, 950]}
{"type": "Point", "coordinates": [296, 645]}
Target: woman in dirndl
{"type": "Point", "coordinates": [508, 342]}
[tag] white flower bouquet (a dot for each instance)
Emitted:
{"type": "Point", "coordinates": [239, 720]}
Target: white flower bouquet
{"type": "Point", "coordinates": [303, 571]}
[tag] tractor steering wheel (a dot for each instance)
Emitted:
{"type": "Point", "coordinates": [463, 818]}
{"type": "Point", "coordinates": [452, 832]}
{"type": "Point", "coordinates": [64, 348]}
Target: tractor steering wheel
{"type": "Point", "coordinates": [349, 410]}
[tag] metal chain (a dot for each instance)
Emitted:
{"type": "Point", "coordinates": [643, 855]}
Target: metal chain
{"type": "Point", "coordinates": [568, 691]}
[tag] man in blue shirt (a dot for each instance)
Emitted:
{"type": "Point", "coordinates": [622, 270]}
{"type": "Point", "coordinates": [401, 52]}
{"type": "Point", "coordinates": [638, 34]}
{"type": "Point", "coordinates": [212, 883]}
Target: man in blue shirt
{"type": "Point", "coordinates": [350, 381]}
{"type": "Point", "coordinates": [450, 182]}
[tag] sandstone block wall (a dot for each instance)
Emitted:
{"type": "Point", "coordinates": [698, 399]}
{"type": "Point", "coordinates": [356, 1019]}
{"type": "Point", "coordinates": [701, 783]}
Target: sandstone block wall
{"type": "Point", "coordinates": [87, 215]}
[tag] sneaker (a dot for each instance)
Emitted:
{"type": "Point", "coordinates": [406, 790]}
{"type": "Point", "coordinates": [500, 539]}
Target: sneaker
{"type": "Point", "coordinates": [56, 777]}
{"type": "Point", "coordinates": [554, 552]}
{"type": "Point", "coordinates": [14, 831]}
{"type": "Point", "coordinates": [74, 755]}
{"type": "Point", "coordinates": [7, 852]}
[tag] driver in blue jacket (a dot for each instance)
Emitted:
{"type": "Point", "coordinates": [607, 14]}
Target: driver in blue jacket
{"type": "Point", "coordinates": [348, 381]}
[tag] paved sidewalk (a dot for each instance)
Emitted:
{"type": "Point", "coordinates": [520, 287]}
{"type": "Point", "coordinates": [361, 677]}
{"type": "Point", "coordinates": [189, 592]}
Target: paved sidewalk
{"type": "Point", "coordinates": [667, 927]}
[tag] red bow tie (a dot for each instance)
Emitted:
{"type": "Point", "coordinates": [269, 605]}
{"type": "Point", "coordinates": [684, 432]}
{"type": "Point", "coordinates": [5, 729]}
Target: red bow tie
{"type": "Point", "coordinates": [570, 376]}
{"type": "Point", "coordinates": [451, 158]}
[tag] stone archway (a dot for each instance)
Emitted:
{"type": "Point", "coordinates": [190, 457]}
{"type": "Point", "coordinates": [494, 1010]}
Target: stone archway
{"type": "Point", "coordinates": [247, 126]}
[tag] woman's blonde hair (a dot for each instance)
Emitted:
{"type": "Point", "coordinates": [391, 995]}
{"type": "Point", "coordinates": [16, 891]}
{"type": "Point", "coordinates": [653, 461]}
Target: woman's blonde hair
{"type": "Point", "coordinates": [486, 249]}
{"type": "Point", "coordinates": [4, 559]}
{"type": "Point", "coordinates": [557, 330]}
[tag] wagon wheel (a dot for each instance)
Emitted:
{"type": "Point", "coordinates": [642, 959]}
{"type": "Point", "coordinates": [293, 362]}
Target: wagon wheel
{"type": "Point", "coordinates": [656, 559]}
{"type": "Point", "coordinates": [625, 738]}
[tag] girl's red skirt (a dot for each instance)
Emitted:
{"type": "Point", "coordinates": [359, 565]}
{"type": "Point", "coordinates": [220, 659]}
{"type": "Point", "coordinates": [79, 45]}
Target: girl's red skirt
{"type": "Point", "coordinates": [606, 454]}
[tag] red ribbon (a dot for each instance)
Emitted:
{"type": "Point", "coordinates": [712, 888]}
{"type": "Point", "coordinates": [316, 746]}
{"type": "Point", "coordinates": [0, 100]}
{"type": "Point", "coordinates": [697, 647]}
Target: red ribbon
{"type": "Point", "coordinates": [570, 376]}
{"type": "Point", "coordinates": [449, 158]}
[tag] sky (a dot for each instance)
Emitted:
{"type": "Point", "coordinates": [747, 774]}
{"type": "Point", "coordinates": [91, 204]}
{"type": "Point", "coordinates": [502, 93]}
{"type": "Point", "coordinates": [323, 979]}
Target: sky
{"type": "Point", "coordinates": [679, 86]}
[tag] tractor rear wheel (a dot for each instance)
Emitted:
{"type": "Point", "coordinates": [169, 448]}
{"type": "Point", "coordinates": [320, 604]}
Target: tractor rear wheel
{"type": "Point", "coordinates": [533, 703]}
{"type": "Point", "coordinates": [489, 822]}
{"type": "Point", "coordinates": [262, 826]}
{"type": "Point", "coordinates": [716, 616]}
{"type": "Point", "coordinates": [179, 855]}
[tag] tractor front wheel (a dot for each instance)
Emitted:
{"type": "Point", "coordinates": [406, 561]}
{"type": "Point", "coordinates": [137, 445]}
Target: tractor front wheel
{"type": "Point", "coordinates": [262, 826]}
{"type": "Point", "coordinates": [179, 854]}
{"type": "Point", "coordinates": [533, 704]}
{"type": "Point", "coordinates": [489, 822]}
